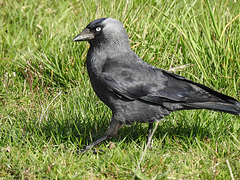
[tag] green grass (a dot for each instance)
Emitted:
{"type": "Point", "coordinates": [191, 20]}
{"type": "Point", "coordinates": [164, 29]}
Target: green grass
{"type": "Point", "coordinates": [48, 110]}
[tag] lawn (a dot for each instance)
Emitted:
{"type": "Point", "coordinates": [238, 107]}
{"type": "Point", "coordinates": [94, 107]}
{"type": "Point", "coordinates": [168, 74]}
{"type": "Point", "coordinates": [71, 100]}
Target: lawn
{"type": "Point", "coordinates": [48, 110]}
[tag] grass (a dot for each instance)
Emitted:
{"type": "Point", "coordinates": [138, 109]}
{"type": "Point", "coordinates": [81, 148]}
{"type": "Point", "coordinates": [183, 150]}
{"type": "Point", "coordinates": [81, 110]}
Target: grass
{"type": "Point", "coordinates": [48, 109]}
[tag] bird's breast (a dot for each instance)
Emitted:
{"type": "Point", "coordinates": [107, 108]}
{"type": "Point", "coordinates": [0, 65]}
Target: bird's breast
{"type": "Point", "coordinates": [94, 68]}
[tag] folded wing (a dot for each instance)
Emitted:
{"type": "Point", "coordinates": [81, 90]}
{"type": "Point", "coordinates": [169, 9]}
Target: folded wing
{"type": "Point", "coordinates": [140, 81]}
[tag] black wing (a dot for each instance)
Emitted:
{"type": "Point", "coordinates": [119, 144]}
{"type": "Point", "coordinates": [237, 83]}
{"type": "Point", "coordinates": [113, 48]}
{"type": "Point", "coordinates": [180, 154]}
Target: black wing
{"type": "Point", "coordinates": [132, 78]}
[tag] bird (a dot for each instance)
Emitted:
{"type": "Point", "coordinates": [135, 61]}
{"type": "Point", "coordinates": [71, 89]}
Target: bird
{"type": "Point", "coordinates": [134, 90]}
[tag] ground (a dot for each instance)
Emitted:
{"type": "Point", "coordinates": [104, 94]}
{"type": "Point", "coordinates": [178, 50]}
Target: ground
{"type": "Point", "coordinates": [48, 110]}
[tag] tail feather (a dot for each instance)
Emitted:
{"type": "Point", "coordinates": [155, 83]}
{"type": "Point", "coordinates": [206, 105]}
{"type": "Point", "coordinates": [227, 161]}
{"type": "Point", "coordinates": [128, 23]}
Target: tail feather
{"type": "Point", "coordinates": [224, 103]}
{"type": "Point", "coordinates": [232, 108]}
{"type": "Point", "coordinates": [203, 98]}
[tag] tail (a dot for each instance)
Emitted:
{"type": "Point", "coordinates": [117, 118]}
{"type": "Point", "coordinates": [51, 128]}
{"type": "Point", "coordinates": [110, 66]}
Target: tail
{"type": "Point", "coordinates": [224, 103]}
{"type": "Point", "coordinates": [202, 97]}
{"type": "Point", "coordinates": [227, 107]}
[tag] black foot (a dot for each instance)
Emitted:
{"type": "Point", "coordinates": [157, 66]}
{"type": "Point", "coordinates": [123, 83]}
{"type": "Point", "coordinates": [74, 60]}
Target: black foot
{"type": "Point", "coordinates": [95, 151]}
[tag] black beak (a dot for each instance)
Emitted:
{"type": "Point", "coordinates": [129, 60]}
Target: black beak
{"type": "Point", "coordinates": [85, 35]}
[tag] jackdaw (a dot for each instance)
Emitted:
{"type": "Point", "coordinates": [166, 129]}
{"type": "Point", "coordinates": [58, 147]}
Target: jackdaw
{"type": "Point", "coordinates": [134, 90]}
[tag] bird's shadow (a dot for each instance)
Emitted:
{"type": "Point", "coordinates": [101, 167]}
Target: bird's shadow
{"type": "Point", "coordinates": [85, 132]}
{"type": "Point", "coordinates": [170, 129]}
{"type": "Point", "coordinates": [89, 131]}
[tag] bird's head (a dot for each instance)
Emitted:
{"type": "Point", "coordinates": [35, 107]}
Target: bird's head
{"type": "Point", "coordinates": [104, 31]}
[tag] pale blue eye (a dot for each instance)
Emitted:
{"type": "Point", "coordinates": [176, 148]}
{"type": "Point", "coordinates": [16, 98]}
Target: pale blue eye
{"type": "Point", "coordinates": [98, 29]}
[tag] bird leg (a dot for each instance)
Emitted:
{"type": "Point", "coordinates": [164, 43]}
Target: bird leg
{"type": "Point", "coordinates": [110, 132]}
{"type": "Point", "coordinates": [149, 139]}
